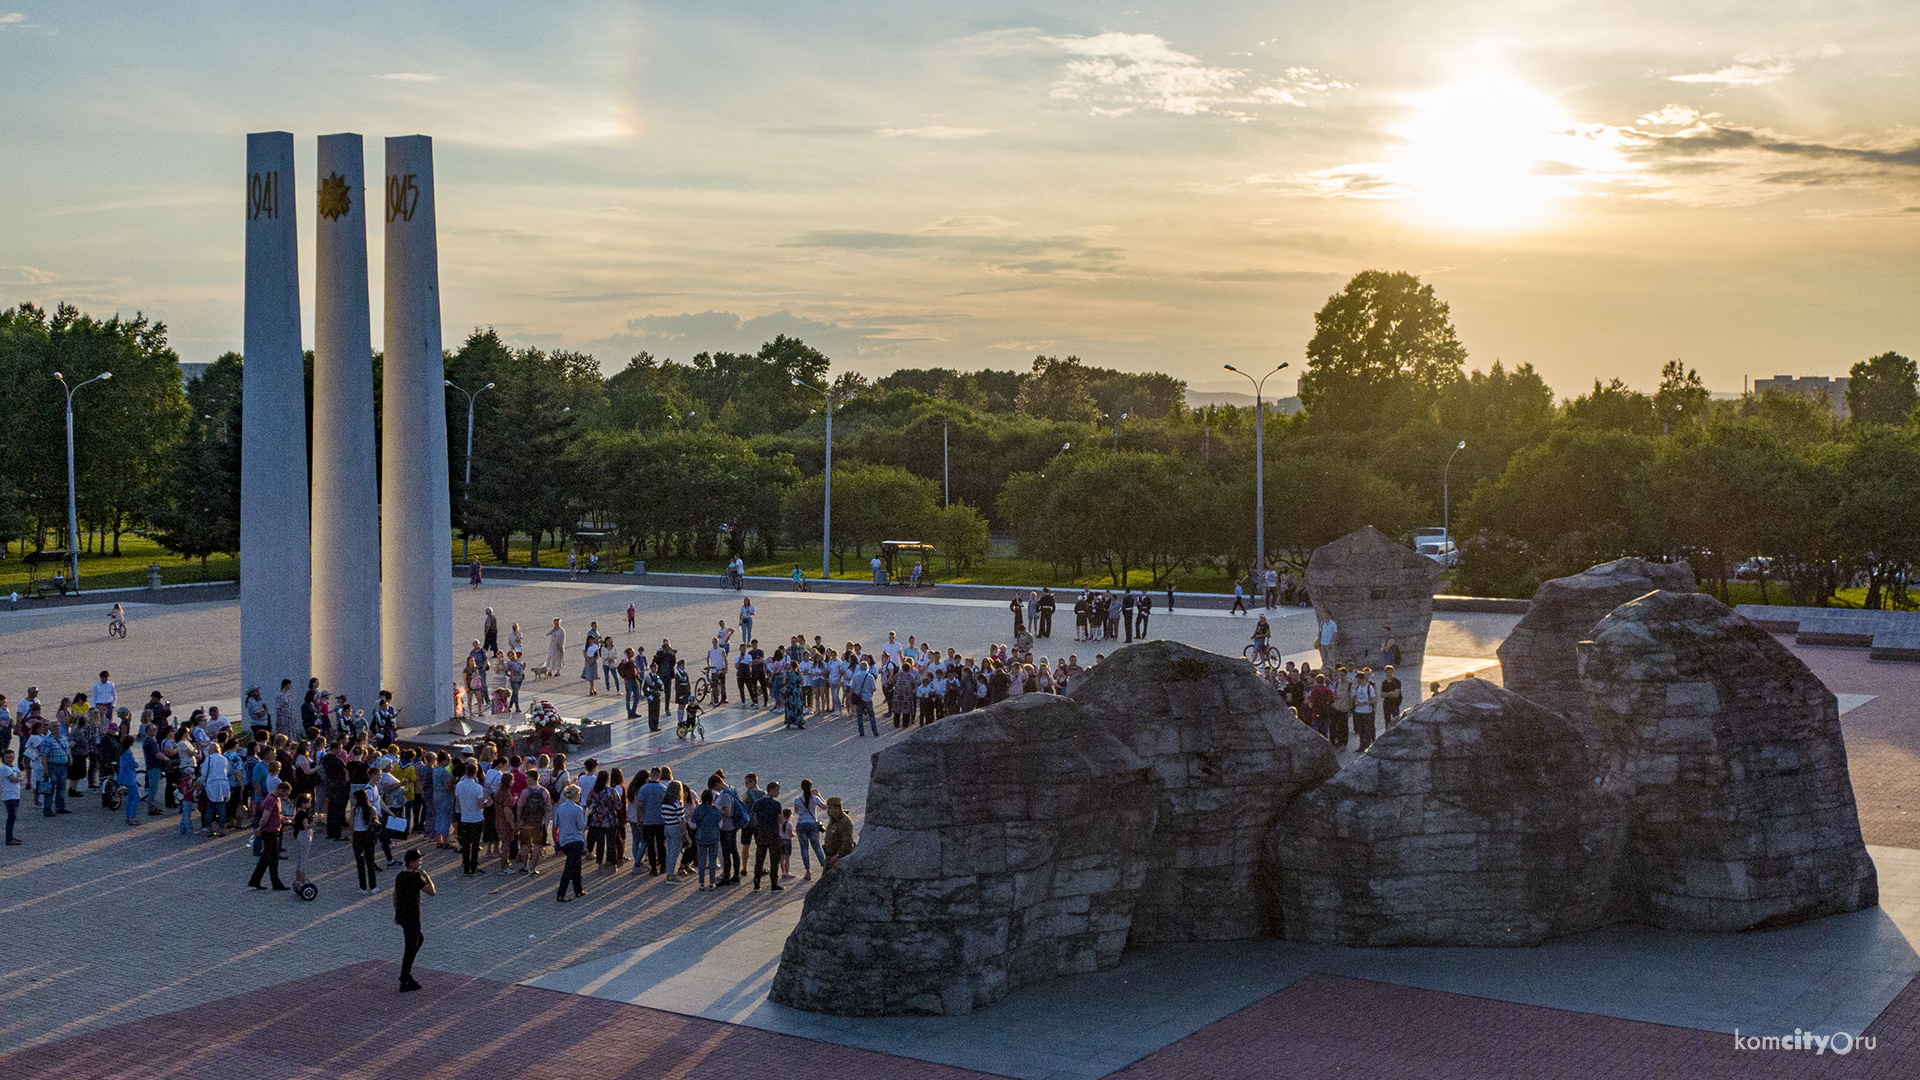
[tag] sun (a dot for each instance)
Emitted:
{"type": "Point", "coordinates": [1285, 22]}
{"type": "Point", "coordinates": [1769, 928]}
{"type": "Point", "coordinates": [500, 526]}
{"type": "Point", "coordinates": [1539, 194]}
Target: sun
{"type": "Point", "coordinates": [1489, 152]}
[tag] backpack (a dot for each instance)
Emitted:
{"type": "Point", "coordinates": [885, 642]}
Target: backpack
{"type": "Point", "coordinates": [536, 808]}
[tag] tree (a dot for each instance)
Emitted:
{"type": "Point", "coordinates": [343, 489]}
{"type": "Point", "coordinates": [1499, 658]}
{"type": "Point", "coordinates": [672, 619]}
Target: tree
{"type": "Point", "coordinates": [960, 532]}
{"type": "Point", "coordinates": [201, 515]}
{"type": "Point", "coordinates": [1881, 389]}
{"type": "Point", "coordinates": [871, 503]}
{"type": "Point", "coordinates": [1057, 390]}
{"type": "Point", "coordinates": [1127, 511]}
{"type": "Point", "coordinates": [1879, 513]}
{"type": "Point", "coordinates": [1614, 407]}
{"type": "Point", "coordinates": [1382, 349]}
{"type": "Point", "coordinates": [1682, 398]}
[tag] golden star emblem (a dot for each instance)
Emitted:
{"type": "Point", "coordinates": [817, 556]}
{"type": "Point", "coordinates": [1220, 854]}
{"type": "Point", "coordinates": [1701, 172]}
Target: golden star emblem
{"type": "Point", "coordinates": [335, 199]}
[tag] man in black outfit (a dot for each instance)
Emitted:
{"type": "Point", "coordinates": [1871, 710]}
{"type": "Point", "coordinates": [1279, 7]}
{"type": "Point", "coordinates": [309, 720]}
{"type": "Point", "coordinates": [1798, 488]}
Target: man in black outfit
{"type": "Point", "coordinates": [407, 887]}
{"type": "Point", "coordinates": [1126, 613]}
{"type": "Point", "coordinates": [1047, 604]}
{"type": "Point", "coordinates": [766, 836]}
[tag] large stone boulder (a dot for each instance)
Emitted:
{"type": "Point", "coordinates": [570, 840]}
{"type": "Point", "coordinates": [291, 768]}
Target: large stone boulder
{"type": "Point", "coordinates": [1480, 818]}
{"type": "Point", "coordinates": [1742, 813]}
{"type": "Point", "coordinates": [1365, 583]}
{"type": "Point", "coordinates": [1001, 847]}
{"type": "Point", "coordinates": [1538, 658]}
{"type": "Point", "coordinates": [1229, 754]}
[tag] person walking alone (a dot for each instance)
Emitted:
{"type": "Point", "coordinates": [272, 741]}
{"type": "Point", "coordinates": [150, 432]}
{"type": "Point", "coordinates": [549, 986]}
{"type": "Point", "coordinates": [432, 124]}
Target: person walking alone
{"type": "Point", "coordinates": [408, 886]}
{"type": "Point", "coordinates": [266, 840]}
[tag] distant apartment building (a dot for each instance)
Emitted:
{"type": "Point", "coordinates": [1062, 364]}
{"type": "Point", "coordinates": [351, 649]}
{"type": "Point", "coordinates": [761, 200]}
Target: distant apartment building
{"type": "Point", "coordinates": [1835, 390]}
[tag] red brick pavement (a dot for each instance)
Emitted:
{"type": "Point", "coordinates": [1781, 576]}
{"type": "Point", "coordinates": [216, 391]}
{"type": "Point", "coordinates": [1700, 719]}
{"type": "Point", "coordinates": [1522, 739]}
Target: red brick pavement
{"type": "Point", "coordinates": [1883, 739]}
{"type": "Point", "coordinates": [352, 1023]}
{"type": "Point", "coordinates": [1331, 1026]}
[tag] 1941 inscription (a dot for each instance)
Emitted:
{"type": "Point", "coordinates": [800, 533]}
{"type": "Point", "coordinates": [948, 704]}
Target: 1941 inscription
{"type": "Point", "coordinates": [263, 195]}
{"type": "Point", "coordinates": [403, 196]}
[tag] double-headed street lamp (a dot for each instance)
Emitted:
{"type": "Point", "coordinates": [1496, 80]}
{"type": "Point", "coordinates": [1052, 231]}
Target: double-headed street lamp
{"type": "Point", "coordinates": [1259, 464]}
{"type": "Point", "coordinates": [826, 516]}
{"type": "Point", "coordinates": [1116, 428]}
{"type": "Point", "coordinates": [73, 501]}
{"type": "Point", "coordinates": [466, 484]}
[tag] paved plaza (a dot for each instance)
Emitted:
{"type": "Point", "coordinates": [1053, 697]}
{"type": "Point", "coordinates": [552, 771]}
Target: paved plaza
{"type": "Point", "coordinates": [139, 952]}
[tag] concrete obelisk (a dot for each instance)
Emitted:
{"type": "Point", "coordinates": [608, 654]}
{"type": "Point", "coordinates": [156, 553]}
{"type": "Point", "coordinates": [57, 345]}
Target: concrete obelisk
{"type": "Point", "coordinates": [275, 574]}
{"type": "Point", "coordinates": [346, 506]}
{"type": "Point", "coordinates": [416, 572]}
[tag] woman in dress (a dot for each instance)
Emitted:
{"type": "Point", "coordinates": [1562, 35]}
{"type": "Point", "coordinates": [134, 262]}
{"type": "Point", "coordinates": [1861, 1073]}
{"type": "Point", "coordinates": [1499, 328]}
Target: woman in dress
{"type": "Point", "coordinates": [617, 841]}
{"type": "Point", "coordinates": [442, 800]}
{"type": "Point", "coordinates": [216, 785]}
{"type": "Point", "coordinates": [556, 649]}
{"type": "Point", "coordinates": [795, 701]}
{"type": "Point", "coordinates": [590, 671]}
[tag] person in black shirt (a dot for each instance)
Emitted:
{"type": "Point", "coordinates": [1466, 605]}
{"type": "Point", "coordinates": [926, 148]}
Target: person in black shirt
{"type": "Point", "coordinates": [766, 836]}
{"type": "Point", "coordinates": [1127, 603]}
{"type": "Point", "coordinates": [1391, 695]}
{"type": "Point", "coordinates": [1047, 604]}
{"type": "Point", "coordinates": [1140, 613]}
{"type": "Point", "coordinates": [407, 887]}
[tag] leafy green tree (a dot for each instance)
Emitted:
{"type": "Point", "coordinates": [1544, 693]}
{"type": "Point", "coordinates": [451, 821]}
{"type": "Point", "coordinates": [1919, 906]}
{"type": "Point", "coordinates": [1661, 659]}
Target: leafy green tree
{"type": "Point", "coordinates": [1882, 389]}
{"type": "Point", "coordinates": [1614, 407]}
{"type": "Point", "coordinates": [1878, 518]}
{"type": "Point", "coordinates": [871, 503]}
{"type": "Point", "coordinates": [1314, 500]}
{"type": "Point", "coordinates": [1382, 350]}
{"type": "Point", "coordinates": [201, 515]}
{"type": "Point", "coordinates": [1682, 398]}
{"type": "Point", "coordinates": [960, 532]}
{"type": "Point", "coordinates": [1057, 390]}
{"type": "Point", "coordinates": [1125, 511]}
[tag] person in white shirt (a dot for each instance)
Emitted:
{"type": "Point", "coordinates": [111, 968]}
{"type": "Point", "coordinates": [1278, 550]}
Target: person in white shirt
{"type": "Point", "coordinates": [10, 792]}
{"type": "Point", "coordinates": [216, 724]}
{"type": "Point", "coordinates": [717, 660]}
{"type": "Point", "coordinates": [103, 693]}
{"type": "Point", "coordinates": [836, 678]}
{"type": "Point", "coordinates": [1366, 697]}
{"type": "Point", "coordinates": [1327, 631]}
{"type": "Point", "coordinates": [469, 797]}
{"type": "Point", "coordinates": [725, 638]}
{"type": "Point", "coordinates": [891, 650]}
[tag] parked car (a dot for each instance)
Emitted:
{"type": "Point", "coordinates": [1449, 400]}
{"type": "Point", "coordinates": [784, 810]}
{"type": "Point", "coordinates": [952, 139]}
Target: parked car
{"type": "Point", "coordinates": [1435, 544]}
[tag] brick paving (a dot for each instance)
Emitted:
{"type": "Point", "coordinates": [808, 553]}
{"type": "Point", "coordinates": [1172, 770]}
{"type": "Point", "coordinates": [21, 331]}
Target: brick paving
{"type": "Point", "coordinates": [1883, 739]}
{"type": "Point", "coordinates": [352, 1022]}
{"type": "Point", "coordinates": [1327, 1026]}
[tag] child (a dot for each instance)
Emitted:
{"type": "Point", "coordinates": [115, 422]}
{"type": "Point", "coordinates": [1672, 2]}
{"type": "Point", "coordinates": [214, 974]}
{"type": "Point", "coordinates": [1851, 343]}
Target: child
{"type": "Point", "coordinates": [188, 788]}
{"type": "Point", "coordinates": [786, 843]}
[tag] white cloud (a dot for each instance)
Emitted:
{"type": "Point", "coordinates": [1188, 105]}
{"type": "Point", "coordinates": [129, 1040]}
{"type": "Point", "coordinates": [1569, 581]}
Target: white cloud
{"type": "Point", "coordinates": [413, 76]}
{"type": "Point", "coordinates": [1114, 74]}
{"type": "Point", "coordinates": [933, 131]}
{"type": "Point", "coordinates": [1675, 116]}
{"type": "Point", "coordinates": [12, 17]}
{"type": "Point", "coordinates": [1756, 69]}
{"type": "Point", "coordinates": [25, 275]}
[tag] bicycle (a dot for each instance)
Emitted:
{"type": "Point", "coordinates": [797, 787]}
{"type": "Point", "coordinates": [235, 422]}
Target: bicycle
{"type": "Point", "coordinates": [689, 722]}
{"type": "Point", "coordinates": [112, 794]}
{"type": "Point", "coordinates": [708, 687]}
{"type": "Point", "coordinates": [116, 627]}
{"type": "Point", "coordinates": [735, 580]}
{"type": "Point", "coordinates": [1261, 656]}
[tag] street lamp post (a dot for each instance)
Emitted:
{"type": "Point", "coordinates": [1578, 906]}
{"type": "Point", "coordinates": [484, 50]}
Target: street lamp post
{"type": "Point", "coordinates": [73, 500]}
{"type": "Point", "coordinates": [826, 516]}
{"type": "Point", "coordinates": [1116, 427]}
{"type": "Point", "coordinates": [946, 470]}
{"type": "Point", "coordinates": [466, 482]}
{"type": "Point", "coordinates": [1259, 462]}
{"type": "Point", "coordinates": [1446, 505]}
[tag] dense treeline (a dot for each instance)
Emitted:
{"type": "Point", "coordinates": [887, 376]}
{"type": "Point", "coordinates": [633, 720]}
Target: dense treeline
{"type": "Point", "coordinates": [1089, 469]}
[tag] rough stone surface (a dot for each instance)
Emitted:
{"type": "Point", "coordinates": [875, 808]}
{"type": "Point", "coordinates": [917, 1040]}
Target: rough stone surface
{"type": "Point", "coordinates": [1742, 813]}
{"type": "Point", "coordinates": [1363, 582]}
{"type": "Point", "coordinates": [1538, 657]}
{"type": "Point", "coordinates": [1229, 754]}
{"type": "Point", "coordinates": [1480, 819]}
{"type": "Point", "coordinates": [1001, 847]}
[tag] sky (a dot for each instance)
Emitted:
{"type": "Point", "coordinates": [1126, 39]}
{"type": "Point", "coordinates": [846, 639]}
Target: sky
{"type": "Point", "coordinates": [1595, 189]}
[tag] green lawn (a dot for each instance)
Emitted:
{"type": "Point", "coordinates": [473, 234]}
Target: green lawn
{"type": "Point", "coordinates": [125, 570]}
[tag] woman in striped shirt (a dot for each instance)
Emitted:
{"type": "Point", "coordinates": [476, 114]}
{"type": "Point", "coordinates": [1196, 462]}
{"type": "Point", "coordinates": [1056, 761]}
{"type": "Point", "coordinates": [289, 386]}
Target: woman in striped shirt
{"type": "Point", "coordinates": [673, 815]}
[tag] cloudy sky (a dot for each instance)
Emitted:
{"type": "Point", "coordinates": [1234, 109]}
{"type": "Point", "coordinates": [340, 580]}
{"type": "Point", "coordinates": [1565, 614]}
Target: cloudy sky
{"type": "Point", "coordinates": [1595, 188]}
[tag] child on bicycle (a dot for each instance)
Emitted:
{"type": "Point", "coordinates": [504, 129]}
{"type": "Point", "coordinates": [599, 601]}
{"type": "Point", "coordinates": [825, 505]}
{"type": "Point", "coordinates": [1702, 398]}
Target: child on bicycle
{"type": "Point", "coordinates": [1261, 632]}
